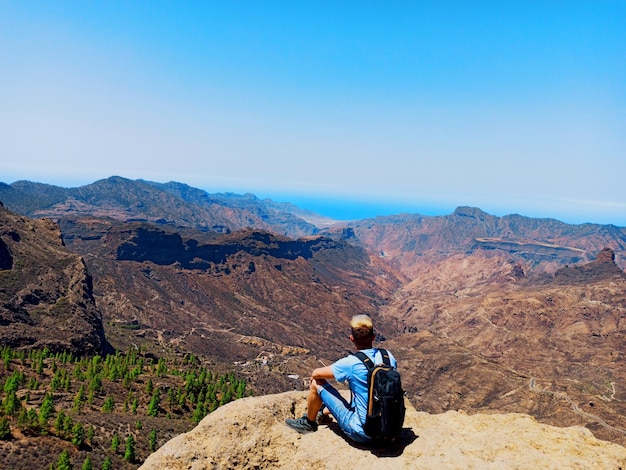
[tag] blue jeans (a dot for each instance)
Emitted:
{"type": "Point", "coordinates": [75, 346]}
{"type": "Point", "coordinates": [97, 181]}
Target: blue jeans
{"type": "Point", "coordinates": [347, 417]}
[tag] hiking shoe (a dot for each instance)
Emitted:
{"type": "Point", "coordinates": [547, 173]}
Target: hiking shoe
{"type": "Point", "coordinates": [323, 418]}
{"type": "Point", "coordinates": [302, 425]}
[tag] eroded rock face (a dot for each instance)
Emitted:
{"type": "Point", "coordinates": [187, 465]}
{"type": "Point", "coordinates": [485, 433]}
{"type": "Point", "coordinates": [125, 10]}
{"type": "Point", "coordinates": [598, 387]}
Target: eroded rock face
{"type": "Point", "coordinates": [228, 296]}
{"type": "Point", "coordinates": [45, 291]}
{"type": "Point", "coordinates": [251, 434]}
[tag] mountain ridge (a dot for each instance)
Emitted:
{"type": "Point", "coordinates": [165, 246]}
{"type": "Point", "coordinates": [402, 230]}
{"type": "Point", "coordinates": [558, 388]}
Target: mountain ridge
{"type": "Point", "coordinates": [405, 240]}
{"type": "Point", "coordinates": [484, 313]}
{"type": "Point", "coordinates": [169, 203]}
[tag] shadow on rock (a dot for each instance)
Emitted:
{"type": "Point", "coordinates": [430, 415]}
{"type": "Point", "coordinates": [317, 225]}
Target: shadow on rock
{"type": "Point", "coordinates": [392, 449]}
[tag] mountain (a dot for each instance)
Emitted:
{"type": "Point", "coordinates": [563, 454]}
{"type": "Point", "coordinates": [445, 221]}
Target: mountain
{"type": "Point", "coordinates": [471, 338]}
{"type": "Point", "coordinates": [170, 203]}
{"type": "Point", "coordinates": [410, 241]}
{"type": "Point", "coordinates": [248, 297]}
{"type": "Point", "coordinates": [277, 214]}
{"type": "Point", "coordinates": [484, 313]}
{"type": "Point", "coordinates": [555, 341]}
{"type": "Point", "coordinates": [46, 297]}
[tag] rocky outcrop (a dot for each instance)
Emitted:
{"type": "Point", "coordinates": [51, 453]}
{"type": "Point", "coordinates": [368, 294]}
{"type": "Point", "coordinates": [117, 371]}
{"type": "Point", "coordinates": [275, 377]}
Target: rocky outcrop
{"type": "Point", "coordinates": [250, 434]}
{"type": "Point", "coordinates": [46, 297]}
{"type": "Point", "coordinates": [602, 268]}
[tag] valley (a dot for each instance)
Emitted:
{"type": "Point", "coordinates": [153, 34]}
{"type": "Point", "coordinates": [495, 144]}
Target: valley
{"type": "Point", "coordinates": [484, 313]}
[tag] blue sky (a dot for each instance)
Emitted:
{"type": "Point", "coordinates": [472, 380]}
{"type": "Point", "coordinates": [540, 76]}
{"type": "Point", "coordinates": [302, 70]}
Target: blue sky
{"type": "Point", "coordinates": [351, 108]}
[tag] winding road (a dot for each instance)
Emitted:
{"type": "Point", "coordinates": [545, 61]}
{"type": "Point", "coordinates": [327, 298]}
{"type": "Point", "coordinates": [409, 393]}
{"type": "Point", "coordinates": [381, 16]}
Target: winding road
{"type": "Point", "coordinates": [600, 421]}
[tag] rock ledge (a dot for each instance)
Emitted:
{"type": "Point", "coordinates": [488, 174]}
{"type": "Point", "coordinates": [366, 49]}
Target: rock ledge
{"type": "Point", "coordinates": [250, 434]}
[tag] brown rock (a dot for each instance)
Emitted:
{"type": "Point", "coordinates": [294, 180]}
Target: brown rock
{"type": "Point", "coordinates": [46, 298]}
{"type": "Point", "coordinates": [250, 433]}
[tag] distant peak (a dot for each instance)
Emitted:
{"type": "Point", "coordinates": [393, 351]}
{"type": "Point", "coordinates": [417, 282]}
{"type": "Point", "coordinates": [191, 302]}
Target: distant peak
{"type": "Point", "coordinates": [467, 211]}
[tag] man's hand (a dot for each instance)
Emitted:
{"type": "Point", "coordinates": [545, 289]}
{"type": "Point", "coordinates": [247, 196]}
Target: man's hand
{"type": "Point", "coordinates": [318, 382]}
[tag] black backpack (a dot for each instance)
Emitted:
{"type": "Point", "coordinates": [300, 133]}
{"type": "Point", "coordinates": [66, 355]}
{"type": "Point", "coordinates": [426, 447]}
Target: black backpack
{"type": "Point", "coordinates": [385, 404]}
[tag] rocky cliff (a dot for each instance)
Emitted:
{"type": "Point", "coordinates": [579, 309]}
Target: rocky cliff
{"type": "Point", "coordinates": [251, 434]}
{"type": "Point", "coordinates": [46, 297]}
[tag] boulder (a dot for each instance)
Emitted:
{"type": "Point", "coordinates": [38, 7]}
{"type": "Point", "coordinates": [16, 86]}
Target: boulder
{"type": "Point", "coordinates": [250, 433]}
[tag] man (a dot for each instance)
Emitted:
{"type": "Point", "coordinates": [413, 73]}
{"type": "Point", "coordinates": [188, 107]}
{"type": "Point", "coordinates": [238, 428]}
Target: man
{"type": "Point", "coordinates": [349, 416]}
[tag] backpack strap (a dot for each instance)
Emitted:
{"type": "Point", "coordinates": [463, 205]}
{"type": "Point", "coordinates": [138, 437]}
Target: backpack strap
{"type": "Point", "coordinates": [385, 355]}
{"type": "Point", "coordinates": [369, 363]}
{"type": "Point", "coordinates": [365, 359]}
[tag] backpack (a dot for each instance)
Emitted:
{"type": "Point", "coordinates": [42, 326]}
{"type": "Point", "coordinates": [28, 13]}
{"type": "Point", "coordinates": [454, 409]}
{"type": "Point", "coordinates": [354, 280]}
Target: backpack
{"type": "Point", "coordinates": [385, 403]}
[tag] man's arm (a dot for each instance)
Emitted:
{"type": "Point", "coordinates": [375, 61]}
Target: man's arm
{"type": "Point", "coordinates": [322, 373]}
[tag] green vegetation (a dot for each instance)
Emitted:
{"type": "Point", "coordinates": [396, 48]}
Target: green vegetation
{"type": "Point", "coordinates": [64, 462]}
{"type": "Point", "coordinates": [82, 403]}
{"type": "Point", "coordinates": [129, 453]}
{"type": "Point", "coordinates": [87, 464]}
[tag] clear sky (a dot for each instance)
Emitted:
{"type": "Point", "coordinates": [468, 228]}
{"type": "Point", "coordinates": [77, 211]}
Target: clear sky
{"type": "Point", "coordinates": [351, 108]}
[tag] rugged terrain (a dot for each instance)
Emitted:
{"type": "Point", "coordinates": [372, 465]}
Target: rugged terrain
{"type": "Point", "coordinates": [484, 313]}
{"type": "Point", "coordinates": [46, 298]}
{"type": "Point", "coordinates": [556, 341]}
{"type": "Point", "coordinates": [410, 242]}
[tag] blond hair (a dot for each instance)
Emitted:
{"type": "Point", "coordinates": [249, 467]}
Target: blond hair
{"type": "Point", "coordinates": [362, 329]}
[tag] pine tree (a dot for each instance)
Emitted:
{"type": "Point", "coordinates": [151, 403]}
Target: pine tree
{"type": "Point", "coordinates": [78, 373]}
{"type": "Point", "coordinates": [7, 356]}
{"type": "Point", "coordinates": [78, 434]}
{"type": "Point", "coordinates": [115, 443]}
{"type": "Point", "coordinates": [153, 406]}
{"type": "Point", "coordinates": [87, 464]}
{"type": "Point", "coordinates": [68, 424]}
{"type": "Point", "coordinates": [32, 418]}
{"type": "Point", "coordinates": [199, 413]}
{"type": "Point", "coordinates": [46, 409]}
{"type": "Point", "coordinates": [79, 398]}
{"type": "Point", "coordinates": [90, 433]}
{"type": "Point", "coordinates": [152, 440]}
{"type": "Point", "coordinates": [64, 462]}
{"type": "Point", "coordinates": [11, 404]}
{"type": "Point", "coordinates": [58, 422]}
{"type": "Point", "coordinates": [129, 454]}
{"type": "Point", "coordinates": [241, 389]}
{"type": "Point", "coordinates": [5, 428]}
{"type": "Point", "coordinates": [107, 407]}
{"type": "Point", "coordinates": [39, 365]}
{"type": "Point", "coordinates": [107, 464]}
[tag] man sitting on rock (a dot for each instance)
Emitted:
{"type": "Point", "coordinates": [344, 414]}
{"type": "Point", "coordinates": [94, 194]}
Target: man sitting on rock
{"type": "Point", "coordinates": [349, 416]}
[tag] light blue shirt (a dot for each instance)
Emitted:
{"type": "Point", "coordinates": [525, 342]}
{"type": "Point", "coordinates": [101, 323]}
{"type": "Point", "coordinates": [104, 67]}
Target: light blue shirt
{"type": "Point", "coordinates": [352, 370]}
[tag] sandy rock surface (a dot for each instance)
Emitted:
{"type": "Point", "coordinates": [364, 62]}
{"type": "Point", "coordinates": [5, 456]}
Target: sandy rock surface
{"type": "Point", "coordinates": [250, 434]}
